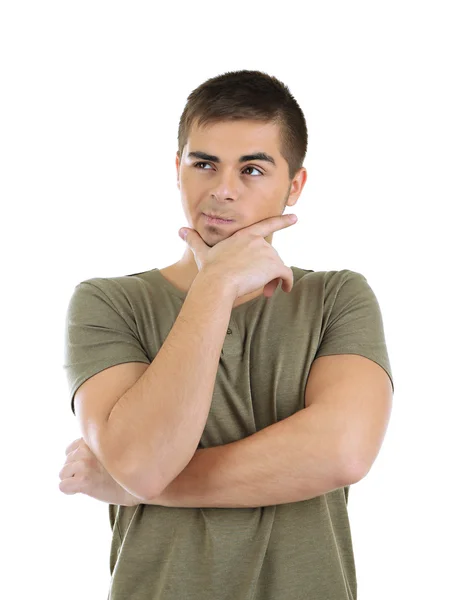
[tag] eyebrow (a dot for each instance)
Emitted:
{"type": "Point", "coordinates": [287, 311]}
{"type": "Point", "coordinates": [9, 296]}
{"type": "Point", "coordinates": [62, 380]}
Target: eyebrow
{"type": "Point", "coordinates": [242, 159]}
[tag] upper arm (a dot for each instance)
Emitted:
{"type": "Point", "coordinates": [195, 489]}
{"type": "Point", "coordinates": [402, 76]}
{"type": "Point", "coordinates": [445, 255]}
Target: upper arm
{"type": "Point", "coordinates": [358, 393]}
{"type": "Point", "coordinates": [94, 401]}
{"type": "Point", "coordinates": [104, 357]}
{"type": "Point", "coordinates": [351, 374]}
{"type": "Point", "coordinates": [105, 354]}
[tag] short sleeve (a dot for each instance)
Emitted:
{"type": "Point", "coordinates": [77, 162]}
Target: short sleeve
{"type": "Point", "coordinates": [98, 334]}
{"type": "Point", "coordinates": [354, 323]}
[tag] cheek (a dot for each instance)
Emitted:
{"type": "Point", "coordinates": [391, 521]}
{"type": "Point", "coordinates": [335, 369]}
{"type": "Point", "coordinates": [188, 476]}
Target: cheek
{"type": "Point", "coordinates": [193, 186]}
{"type": "Point", "coordinates": [184, 178]}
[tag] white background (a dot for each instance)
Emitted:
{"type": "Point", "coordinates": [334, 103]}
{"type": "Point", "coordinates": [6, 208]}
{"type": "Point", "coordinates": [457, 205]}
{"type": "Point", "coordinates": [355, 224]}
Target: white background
{"type": "Point", "coordinates": [91, 97]}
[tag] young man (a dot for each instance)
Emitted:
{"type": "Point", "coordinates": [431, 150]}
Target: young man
{"type": "Point", "coordinates": [286, 390]}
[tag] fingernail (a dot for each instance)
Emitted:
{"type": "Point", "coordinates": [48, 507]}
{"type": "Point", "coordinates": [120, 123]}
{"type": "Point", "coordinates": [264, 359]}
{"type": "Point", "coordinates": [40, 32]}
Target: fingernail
{"type": "Point", "coordinates": [183, 233]}
{"type": "Point", "coordinates": [293, 218]}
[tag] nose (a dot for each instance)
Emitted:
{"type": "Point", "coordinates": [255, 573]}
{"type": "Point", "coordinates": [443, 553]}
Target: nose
{"type": "Point", "coordinates": [226, 184]}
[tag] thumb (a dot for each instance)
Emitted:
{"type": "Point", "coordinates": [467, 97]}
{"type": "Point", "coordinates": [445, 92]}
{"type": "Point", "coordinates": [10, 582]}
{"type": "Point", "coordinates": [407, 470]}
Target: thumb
{"type": "Point", "coordinates": [188, 235]}
{"type": "Point", "coordinates": [191, 237]}
{"type": "Point", "coordinates": [195, 243]}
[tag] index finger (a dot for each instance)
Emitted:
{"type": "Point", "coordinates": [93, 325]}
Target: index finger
{"type": "Point", "coordinates": [268, 226]}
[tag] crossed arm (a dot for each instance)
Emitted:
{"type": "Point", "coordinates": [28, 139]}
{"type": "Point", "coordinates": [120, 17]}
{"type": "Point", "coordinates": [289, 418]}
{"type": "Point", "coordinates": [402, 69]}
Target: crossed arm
{"type": "Point", "coordinates": [329, 444]}
{"type": "Point", "coordinates": [290, 461]}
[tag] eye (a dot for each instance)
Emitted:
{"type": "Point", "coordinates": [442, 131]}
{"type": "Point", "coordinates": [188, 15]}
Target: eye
{"type": "Point", "coordinates": [254, 168]}
{"type": "Point", "coordinates": [200, 163]}
{"type": "Point", "coordinates": [197, 166]}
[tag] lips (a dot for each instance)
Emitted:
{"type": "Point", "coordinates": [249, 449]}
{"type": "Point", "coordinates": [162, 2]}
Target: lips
{"type": "Point", "coordinates": [213, 216]}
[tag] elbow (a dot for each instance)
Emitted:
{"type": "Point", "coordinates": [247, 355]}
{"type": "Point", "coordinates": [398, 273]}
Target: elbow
{"type": "Point", "coordinates": [130, 480]}
{"type": "Point", "coordinates": [133, 477]}
{"type": "Point", "coordinates": [138, 474]}
{"type": "Point", "coordinates": [353, 472]}
{"type": "Point", "coordinates": [137, 479]}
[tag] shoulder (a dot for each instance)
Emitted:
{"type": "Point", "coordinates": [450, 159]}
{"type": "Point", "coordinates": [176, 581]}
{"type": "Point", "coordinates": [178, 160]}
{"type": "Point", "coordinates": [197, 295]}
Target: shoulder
{"type": "Point", "coordinates": [115, 287]}
{"type": "Point", "coordinates": [329, 281]}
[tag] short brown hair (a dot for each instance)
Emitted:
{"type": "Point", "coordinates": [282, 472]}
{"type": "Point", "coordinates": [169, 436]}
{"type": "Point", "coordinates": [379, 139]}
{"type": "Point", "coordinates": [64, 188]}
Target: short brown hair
{"type": "Point", "coordinates": [252, 95]}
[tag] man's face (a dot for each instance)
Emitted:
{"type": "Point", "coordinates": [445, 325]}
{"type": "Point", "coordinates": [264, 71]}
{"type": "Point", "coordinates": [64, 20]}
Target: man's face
{"type": "Point", "coordinates": [220, 183]}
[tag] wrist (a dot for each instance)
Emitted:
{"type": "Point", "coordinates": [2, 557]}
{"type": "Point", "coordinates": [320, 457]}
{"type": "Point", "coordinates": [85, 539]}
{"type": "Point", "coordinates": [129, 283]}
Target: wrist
{"type": "Point", "coordinates": [210, 276]}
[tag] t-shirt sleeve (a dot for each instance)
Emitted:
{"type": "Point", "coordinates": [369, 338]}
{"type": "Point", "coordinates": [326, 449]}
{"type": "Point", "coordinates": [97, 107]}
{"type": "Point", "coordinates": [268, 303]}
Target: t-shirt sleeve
{"type": "Point", "coordinates": [354, 323]}
{"type": "Point", "coordinates": [99, 333]}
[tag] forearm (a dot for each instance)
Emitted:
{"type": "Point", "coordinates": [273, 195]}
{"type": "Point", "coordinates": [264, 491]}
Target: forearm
{"type": "Point", "coordinates": [293, 460]}
{"type": "Point", "coordinates": [154, 429]}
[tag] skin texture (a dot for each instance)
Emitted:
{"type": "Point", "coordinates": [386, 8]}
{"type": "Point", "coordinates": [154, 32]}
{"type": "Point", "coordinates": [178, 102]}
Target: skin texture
{"type": "Point", "coordinates": [247, 192]}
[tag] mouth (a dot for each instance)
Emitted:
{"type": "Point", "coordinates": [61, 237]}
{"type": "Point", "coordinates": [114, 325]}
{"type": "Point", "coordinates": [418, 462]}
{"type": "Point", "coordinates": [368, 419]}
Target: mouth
{"type": "Point", "coordinates": [216, 220]}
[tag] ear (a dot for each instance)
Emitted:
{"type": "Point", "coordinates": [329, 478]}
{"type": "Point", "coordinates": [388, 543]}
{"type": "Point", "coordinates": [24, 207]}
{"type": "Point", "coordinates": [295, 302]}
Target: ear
{"type": "Point", "coordinates": [297, 186]}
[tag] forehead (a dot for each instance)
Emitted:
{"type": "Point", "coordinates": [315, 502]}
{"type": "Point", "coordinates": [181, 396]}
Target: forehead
{"type": "Point", "coordinates": [236, 137]}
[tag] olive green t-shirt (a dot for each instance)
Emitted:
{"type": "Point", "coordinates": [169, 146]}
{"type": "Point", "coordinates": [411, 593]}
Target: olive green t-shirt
{"type": "Point", "coordinates": [299, 550]}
